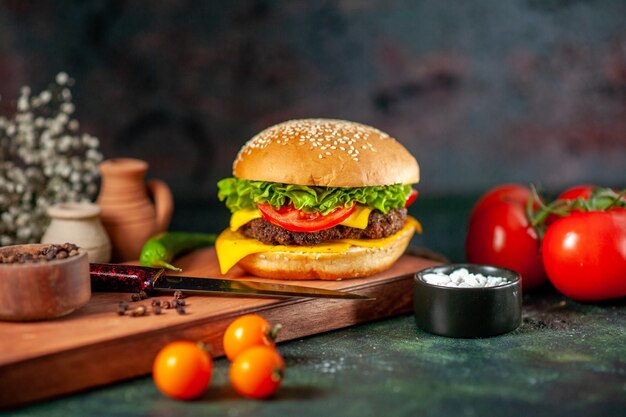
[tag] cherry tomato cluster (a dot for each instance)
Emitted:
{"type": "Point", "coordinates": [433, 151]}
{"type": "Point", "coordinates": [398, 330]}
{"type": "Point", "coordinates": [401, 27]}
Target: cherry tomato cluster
{"type": "Point", "coordinates": [182, 369]}
{"type": "Point", "coordinates": [256, 369]}
{"type": "Point", "coordinates": [577, 241]}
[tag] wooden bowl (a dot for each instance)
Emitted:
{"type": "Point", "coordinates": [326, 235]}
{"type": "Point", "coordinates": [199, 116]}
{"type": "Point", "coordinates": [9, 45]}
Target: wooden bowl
{"type": "Point", "coordinates": [44, 289]}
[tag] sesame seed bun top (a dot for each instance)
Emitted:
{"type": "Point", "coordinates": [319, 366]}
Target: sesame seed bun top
{"type": "Point", "coordinates": [325, 152]}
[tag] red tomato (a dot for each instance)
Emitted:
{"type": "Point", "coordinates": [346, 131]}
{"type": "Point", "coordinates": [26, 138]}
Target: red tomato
{"type": "Point", "coordinates": [515, 193]}
{"type": "Point", "coordinates": [411, 198]}
{"type": "Point", "coordinates": [585, 254]}
{"type": "Point", "coordinates": [295, 220]}
{"type": "Point", "coordinates": [583, 191]}
{"type": "Point", "coordinates": [500, 234]}
{"type": "Point", "coordinates": [573, 193]}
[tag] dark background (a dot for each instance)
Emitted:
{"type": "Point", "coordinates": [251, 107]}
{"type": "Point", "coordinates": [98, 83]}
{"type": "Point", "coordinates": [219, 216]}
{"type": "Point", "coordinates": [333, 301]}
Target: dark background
{"type": "Point", "coordinates": [481, 92]}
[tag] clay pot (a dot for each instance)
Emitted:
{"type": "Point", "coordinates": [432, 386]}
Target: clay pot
{"type": "Point", "coordinates": [80, 224]}
{"type": "Point", "coordinates": [133, 210]}
{"type": "Point", "coordinates": [42, 290]}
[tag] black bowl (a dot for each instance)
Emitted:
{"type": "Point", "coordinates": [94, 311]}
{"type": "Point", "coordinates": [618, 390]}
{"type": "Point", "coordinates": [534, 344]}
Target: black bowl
{"type": "Point", "coordinates": [468, 312]}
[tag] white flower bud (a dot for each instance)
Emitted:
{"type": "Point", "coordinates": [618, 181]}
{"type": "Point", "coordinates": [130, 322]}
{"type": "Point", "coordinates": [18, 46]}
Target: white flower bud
{"type": "Point", "coordinates": [24, 233]}
{"type": "Point", "coordinates": [45, 96]}
{"type": "Point", "coordinates": [67, 108]}
{"type": "Point", "coordinates": [62, 78]}
{"type": "Point", "coordinates": [22, 103]}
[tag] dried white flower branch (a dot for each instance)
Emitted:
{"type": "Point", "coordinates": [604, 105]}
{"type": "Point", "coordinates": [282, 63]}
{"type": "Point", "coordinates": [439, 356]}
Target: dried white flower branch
{"type": "Point", "coordinates": [44, 160]}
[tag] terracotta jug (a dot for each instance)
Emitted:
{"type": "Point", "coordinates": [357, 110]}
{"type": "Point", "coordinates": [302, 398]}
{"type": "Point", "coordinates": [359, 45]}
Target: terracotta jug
{"type": "Point", "coordinates": [133, 209]}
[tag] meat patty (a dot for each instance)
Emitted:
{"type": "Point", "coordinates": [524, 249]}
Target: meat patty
{"type": "Point", "coordinates": [379, 225]}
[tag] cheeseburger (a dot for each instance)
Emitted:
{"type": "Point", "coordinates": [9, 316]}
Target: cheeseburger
{"type": "Point", "coordinates": [318, 199]}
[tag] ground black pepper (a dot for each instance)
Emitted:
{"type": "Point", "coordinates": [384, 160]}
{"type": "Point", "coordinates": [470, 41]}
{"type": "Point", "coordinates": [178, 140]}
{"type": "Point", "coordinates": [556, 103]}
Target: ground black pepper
{"type": "Point", "coordinates": [122, 307]}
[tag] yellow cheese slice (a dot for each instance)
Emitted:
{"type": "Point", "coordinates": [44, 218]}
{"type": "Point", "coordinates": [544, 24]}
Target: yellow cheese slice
{"type": "Point", "coordinates": [241, 217]}
{"type": "Point", "coordinates": [231, 246]}
{"type": "Point", "coordinates": [358, 219]}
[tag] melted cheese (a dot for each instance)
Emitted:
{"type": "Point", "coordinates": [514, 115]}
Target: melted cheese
{"type": "Point", "coordinates": [231, 246]}
{"type": "Point", "coordinates": [358, 219]}
{"type": "Point", "coordinates": [241, 217]}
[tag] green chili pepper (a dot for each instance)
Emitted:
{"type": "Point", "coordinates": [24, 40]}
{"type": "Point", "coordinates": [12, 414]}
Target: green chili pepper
{"type": "Point", "coordinates": [159, 250]}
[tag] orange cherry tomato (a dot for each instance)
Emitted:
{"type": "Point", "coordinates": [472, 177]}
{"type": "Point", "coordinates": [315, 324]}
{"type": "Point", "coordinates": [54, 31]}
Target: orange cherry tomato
{"type": "Point", "coordinates": [257, 372]}
{"type": "Point", "coordinates": [247, 331]}
{"type": "Point", "coordinates": [182, 370]}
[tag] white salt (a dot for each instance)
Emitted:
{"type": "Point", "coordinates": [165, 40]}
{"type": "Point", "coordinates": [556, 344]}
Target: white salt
{"type": "Point", "coordinates": [462, 278]}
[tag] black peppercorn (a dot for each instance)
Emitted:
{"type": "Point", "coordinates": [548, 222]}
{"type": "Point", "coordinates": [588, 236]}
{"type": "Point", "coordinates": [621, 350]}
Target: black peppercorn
{"type": "Point", "coordinates": [139, 311]}
{"type": "Point", "coordinates": [178, 294]}
{"type": "Point", "coordinates": [143, 295]}
{"type": "Point", "coordinates": [47, 253]}
{"type": "Point", "coordinates": [180, 309]}
{"type": "Point", "coordinates": [156, 309]}
{"type": "Point", "coordinates": [166, 304]}
{"type": "Point", "coordinates": [135, 297]}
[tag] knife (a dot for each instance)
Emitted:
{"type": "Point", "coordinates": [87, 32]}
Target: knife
{"type": "Point", "coordinates": [132, 278]}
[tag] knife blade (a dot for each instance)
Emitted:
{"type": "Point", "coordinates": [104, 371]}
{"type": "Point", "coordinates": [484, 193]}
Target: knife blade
{"type": "Point", "coordinates": [132, 278]}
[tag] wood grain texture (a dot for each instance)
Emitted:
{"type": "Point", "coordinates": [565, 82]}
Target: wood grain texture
{"type": "Point", "coordinates": [94, 346]}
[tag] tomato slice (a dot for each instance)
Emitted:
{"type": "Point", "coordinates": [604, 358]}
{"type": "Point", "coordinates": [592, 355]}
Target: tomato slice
{"type": "Point", "coordinates": [411, 198]}
{"type": "Point", "coordinates": [294, 220]}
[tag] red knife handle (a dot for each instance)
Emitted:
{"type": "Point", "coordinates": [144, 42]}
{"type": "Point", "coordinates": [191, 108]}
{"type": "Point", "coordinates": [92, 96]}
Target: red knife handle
{"type": "Point", "coordinates": [122, 278]}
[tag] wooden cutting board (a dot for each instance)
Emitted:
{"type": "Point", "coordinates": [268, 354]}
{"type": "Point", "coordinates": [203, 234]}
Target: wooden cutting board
{"type": "Point", "coordinates": [94, 346]}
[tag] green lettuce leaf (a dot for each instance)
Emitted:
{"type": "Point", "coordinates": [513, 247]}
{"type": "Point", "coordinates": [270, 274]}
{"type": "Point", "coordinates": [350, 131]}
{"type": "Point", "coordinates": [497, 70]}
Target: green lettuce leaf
{"type": "Point", "coordinates": [243, 194]}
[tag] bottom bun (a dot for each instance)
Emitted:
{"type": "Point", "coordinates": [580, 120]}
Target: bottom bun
{"type": "Point", "coordinates": [357, 261]}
